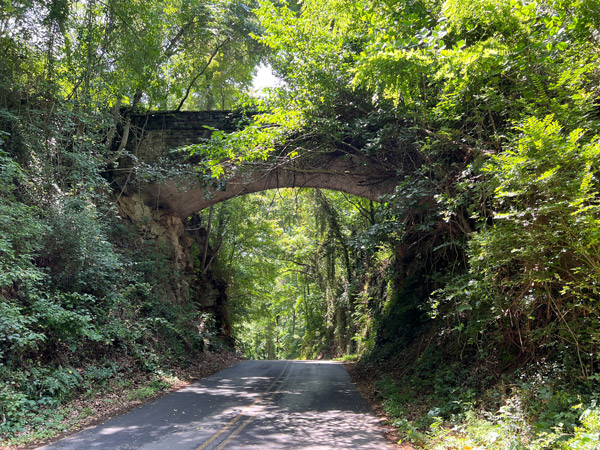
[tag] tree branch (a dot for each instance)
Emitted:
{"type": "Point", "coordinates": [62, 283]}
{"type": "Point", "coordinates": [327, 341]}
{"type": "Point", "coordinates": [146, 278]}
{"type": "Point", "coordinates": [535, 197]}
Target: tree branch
{"type": "Point", "coordinates": [170, 49]}
{"type": "Point", "coordinates": [212, 56]}
{"type": "Point", "coordinates": [205, 252]}
{"type": "Point", "coordinates": [126, 128]}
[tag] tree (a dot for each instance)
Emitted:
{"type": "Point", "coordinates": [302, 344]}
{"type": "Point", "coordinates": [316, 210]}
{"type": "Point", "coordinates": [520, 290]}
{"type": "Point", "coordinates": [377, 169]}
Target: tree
{"type": "Point", "coordinates": [296, 267]}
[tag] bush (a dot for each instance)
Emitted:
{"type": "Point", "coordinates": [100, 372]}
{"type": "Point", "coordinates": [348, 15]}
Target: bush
{"type": "Point", "coordinates": [77, 251]}
{"type": "Point", "coordinates": [17, 335]}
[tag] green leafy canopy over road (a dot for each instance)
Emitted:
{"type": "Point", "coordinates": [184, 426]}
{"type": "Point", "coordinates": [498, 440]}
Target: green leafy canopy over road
{"type": "Point", "coordinates": [471, 292]}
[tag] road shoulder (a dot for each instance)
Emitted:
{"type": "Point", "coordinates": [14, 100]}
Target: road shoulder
{"type": "Point", "coordinates": [364, 380]}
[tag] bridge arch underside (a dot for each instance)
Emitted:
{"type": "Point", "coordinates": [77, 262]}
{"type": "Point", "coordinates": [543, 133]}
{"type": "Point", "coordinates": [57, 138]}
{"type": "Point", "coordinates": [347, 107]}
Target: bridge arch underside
{"type": "Point", "coordinates": [185, 197]}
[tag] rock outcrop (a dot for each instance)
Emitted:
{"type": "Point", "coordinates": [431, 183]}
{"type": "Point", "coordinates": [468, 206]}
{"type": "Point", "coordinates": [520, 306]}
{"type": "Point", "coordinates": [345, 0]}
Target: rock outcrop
{"type": "Point", "coordinates": [180, 242]}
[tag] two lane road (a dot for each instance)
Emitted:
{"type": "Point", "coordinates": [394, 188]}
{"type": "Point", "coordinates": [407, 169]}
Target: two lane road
{"type": "Point", "coordinates": [255, 405]}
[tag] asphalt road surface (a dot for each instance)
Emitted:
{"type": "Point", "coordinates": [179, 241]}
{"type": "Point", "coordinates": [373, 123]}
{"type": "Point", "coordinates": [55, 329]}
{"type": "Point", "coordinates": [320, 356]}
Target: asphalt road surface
{"type": "Point", "coordinates": [254, 405]}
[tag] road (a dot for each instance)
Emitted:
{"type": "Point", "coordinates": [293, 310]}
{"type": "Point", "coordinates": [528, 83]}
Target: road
{"type": "Point", "coordinates": [254, 405]}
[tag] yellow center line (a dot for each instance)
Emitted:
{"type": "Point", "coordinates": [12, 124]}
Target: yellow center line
{"type": "Point", "coordinates": [243, 413]}
{"type": "Point", "coordinates": [252, 416]}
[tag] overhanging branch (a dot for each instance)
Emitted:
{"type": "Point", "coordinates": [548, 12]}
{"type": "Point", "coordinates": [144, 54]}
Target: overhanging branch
{"type": "Point", "coordinates": [191, 85]}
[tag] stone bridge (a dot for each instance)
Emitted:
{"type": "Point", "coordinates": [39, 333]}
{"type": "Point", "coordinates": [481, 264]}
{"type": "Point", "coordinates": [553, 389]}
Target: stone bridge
{"type": "Point", "coordinates": [154, 135]}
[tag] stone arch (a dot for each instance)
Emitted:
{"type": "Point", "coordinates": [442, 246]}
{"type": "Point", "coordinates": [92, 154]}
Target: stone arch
{"type": "Point", "coordinates": [157, 133]}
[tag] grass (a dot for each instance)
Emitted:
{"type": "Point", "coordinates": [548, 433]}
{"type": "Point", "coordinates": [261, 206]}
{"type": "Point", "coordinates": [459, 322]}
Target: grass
{"type": "Point", "coordinates": [149, 390]}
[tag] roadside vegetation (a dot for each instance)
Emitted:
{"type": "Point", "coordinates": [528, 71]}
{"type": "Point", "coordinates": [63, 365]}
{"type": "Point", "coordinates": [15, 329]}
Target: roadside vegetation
{"type": "Point", "coordinates": [469, 296]}
{"type": "Point", "coordinates": [82, 304]}
{"type": "Point", "coordinates": [480, 313]}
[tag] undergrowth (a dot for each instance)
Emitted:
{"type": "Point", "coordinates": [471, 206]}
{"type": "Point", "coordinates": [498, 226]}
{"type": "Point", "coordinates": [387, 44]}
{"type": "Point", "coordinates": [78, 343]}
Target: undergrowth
{"type": "Point", "coordinates": [105, 390]}
{"type": "Point", "coordinates": [440, 402]}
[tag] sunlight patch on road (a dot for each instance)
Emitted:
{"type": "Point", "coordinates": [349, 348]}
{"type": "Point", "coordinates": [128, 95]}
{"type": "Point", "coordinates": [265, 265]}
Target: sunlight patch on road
{"type": "Point", "coordinates": [114, 430]}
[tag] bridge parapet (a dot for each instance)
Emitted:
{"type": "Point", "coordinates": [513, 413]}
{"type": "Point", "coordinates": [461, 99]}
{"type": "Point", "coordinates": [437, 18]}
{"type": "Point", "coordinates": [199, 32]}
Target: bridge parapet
{"type": "Point", "coordinates": [157, 132]}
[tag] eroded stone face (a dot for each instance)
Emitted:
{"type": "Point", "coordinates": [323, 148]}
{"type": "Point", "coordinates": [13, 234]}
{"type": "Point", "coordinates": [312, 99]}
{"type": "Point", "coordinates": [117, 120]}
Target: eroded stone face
{"type": "Point", "coordinates": [167, 232]}
{"type": "Point", "coordinates": [180, 239]}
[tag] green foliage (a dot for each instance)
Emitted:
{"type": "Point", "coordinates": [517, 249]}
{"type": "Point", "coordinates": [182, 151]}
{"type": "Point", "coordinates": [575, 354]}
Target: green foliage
{"type": "Point", "coordinates": [436, 404]}
{"type": "Point", "coordinates": [485, 254]}
{"type": "Point", "coordinates": [16, 333]}
{"type": "Point", "coordinates": [508, 432]}
{"type": "Point", "coordinates": [147, 391]}
{"type": "Point", "coordinates": [535, 267]}
{"type": "Point", "coordinates": [295, 270]}
{"type": "Point", "coordinates": [77, 250]}
{"type": "Point", "coordinates": [27, 395]}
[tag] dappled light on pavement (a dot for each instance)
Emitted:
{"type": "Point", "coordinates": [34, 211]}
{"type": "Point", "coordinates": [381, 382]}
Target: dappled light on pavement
{"type": "Point", "coordinates": [311, 430]}
{"type": "Point", "coordinates": [255, 405]}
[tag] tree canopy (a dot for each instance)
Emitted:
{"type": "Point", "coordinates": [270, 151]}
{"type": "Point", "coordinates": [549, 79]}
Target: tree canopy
{"type": "Point", "coordinates": [488, 114]}
{"type": "Point", "coordinates": [473, 286]}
